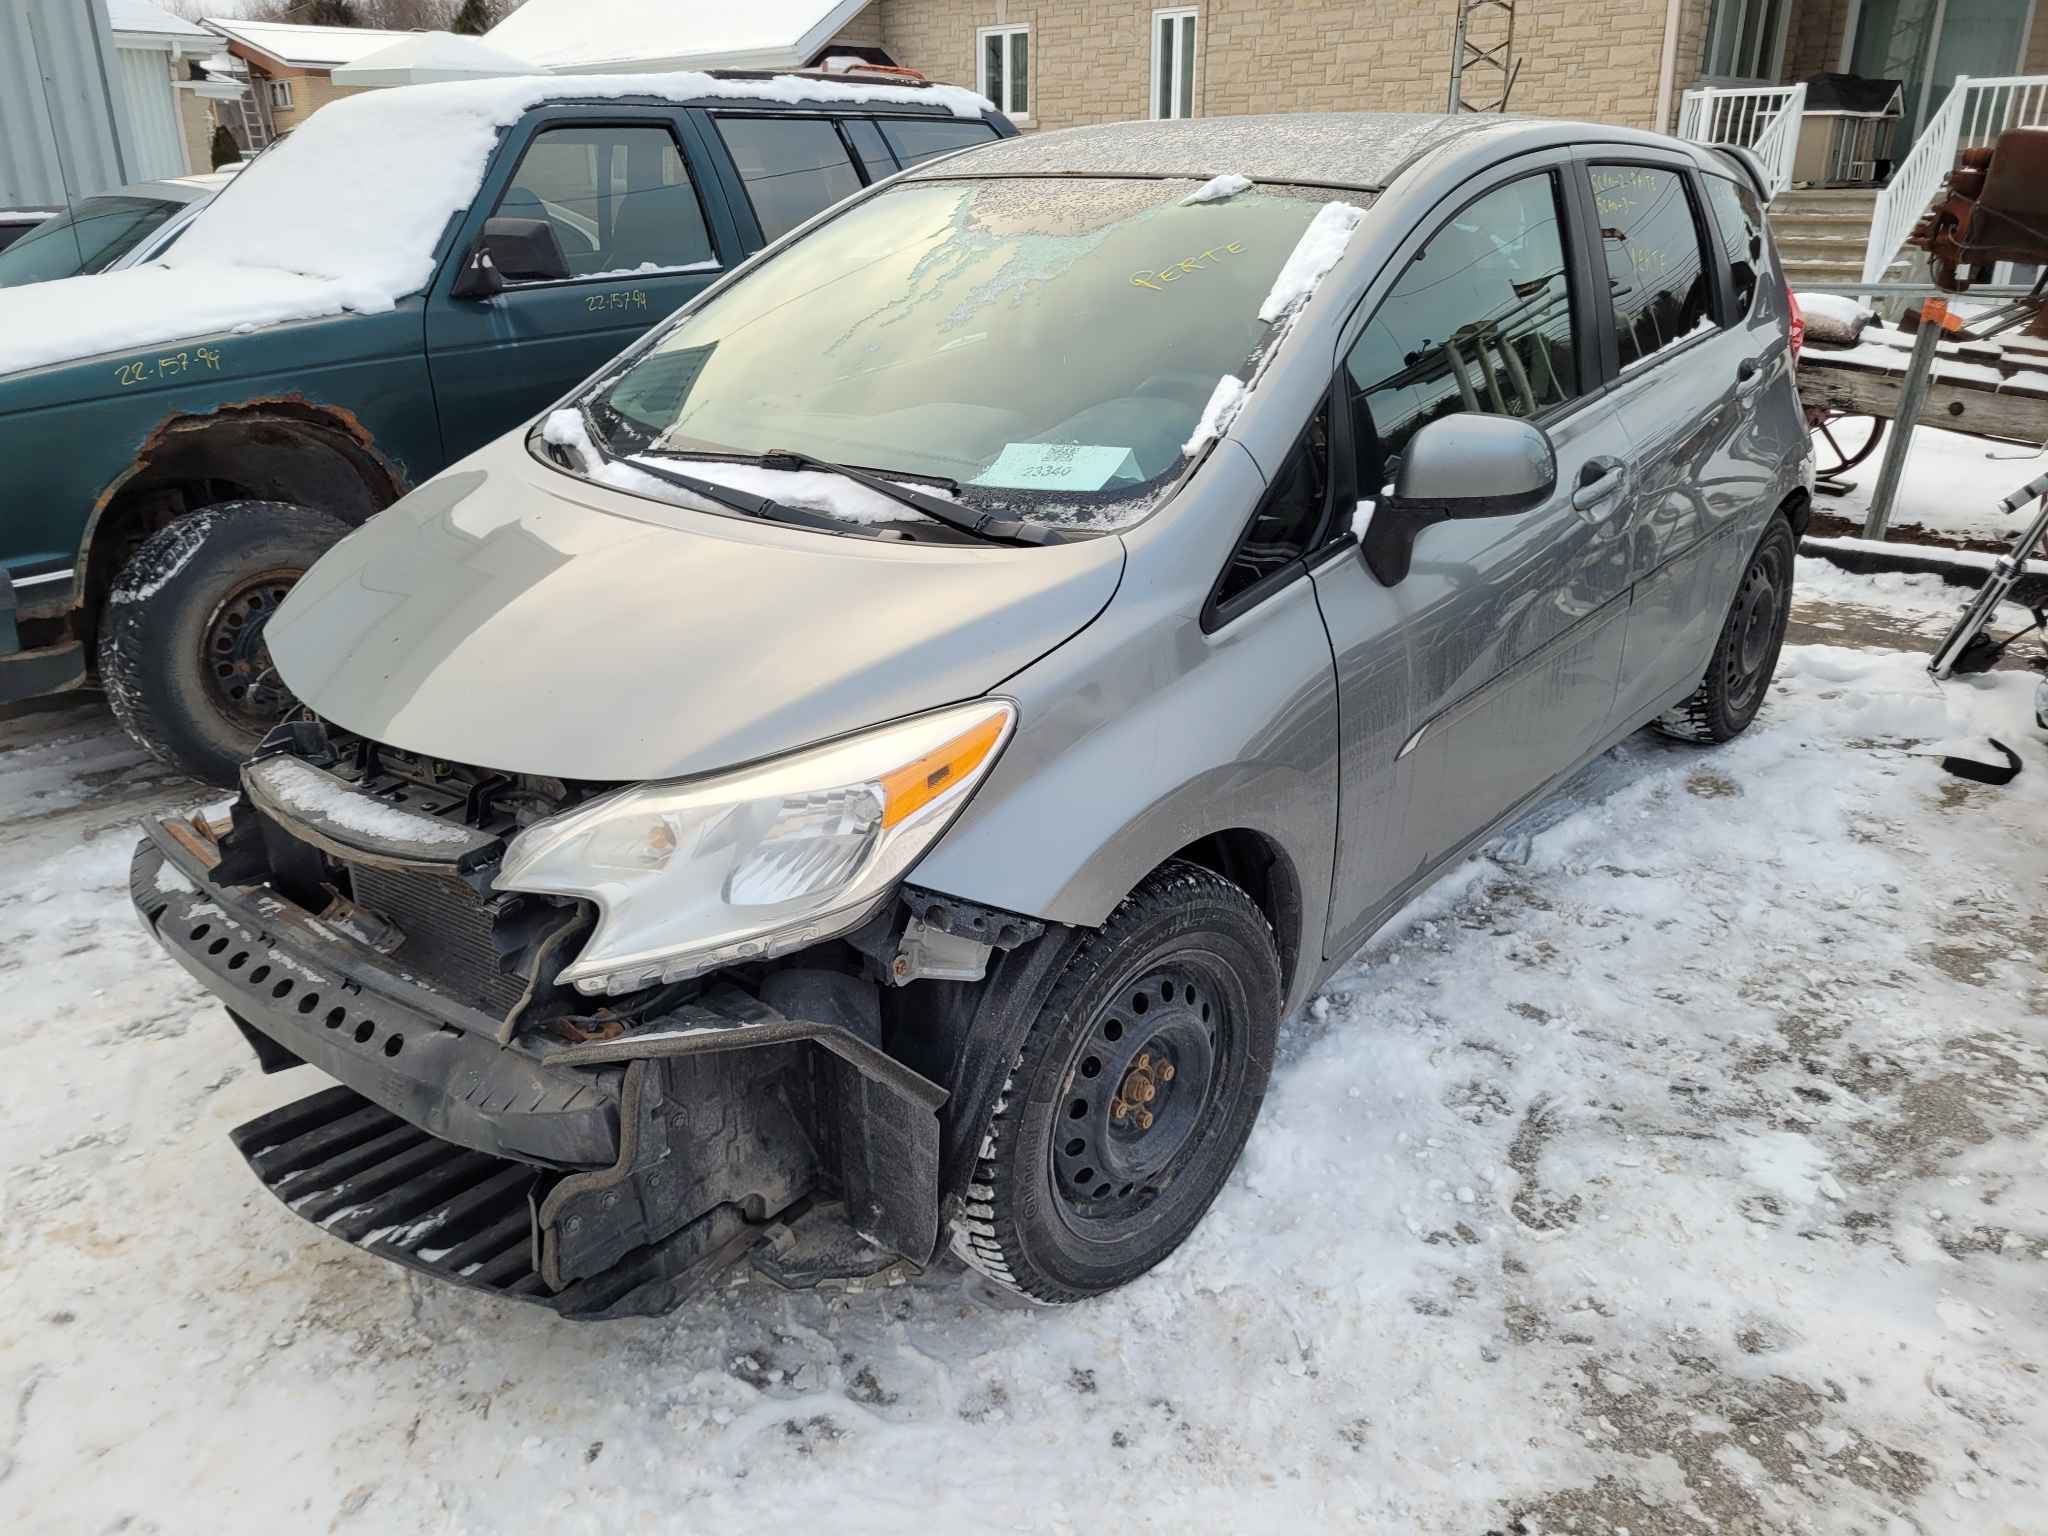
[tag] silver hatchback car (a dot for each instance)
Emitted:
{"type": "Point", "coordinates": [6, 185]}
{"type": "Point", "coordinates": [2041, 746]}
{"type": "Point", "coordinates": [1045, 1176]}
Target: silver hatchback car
{"type": "Point", "coordinates": [874, 767]}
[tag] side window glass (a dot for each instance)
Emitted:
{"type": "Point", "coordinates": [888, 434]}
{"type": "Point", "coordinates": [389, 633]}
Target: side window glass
{"type": "Point", "coordinates": [1480, 321]}
{"type": "Point", "coordinates": [1656, 269]}
{"type": "Point", "coordinates": [916, 139]}
{"type": "Point", "coordinates": [619, 198]}
{"type": "Point", "coordinates": [1740, 218]}
{"type": "Point", "coordinates": [1289, 518]}
{"type": "Point", "coordinates": [793, 167]}
{"type": "Point", "coordinates": [867, 143]}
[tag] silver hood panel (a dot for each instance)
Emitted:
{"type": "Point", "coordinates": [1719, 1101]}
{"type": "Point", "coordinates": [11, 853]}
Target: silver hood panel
{"type": "Point", "coordinates": [511, 616]}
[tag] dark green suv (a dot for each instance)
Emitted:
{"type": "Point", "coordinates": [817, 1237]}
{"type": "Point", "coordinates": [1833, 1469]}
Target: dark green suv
{"type": "Point", "coordinates": [406, 277]}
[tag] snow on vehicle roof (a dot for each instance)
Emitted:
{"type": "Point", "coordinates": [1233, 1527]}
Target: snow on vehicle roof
{"type": "Point", "coordinates": [320, 224]}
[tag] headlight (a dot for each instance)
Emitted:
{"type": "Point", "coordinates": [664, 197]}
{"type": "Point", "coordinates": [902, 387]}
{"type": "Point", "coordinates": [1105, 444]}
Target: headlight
{"type": "Point", "coordinates": [691, 876]}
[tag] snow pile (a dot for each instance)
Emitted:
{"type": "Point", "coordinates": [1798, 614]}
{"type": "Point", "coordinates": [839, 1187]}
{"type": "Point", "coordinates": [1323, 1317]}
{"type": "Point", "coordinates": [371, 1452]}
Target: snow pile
{"type": "Point", "coordinates": [1225, 401]}
{"type": "Point", "coordinates": [1319, 249]}
{"type": "Point", "coordinates": [322, 224]}
{"type": "Point", "coordinates": [1217, 190]}
{"type": "Point", "coordinates": [1951, 487]}
{"type": "Point", "coordinates": [812, 490]}
{"type": "Point", "coordinates": [309, 792]}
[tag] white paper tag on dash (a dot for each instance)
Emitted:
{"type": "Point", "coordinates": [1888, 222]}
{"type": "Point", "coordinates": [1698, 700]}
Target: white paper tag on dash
{"type": "Point", "coordinates": [1057, 467]}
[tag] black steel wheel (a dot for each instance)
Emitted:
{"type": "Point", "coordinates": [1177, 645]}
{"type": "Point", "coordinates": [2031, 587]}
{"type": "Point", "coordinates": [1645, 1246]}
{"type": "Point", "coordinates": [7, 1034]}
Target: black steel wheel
{"type": "Point", "coordinates": [1841, 441]}
{"type": "Point", "coordinates": [1137, 1084]}
{"type": "Point", "coordinates": [182, 653]}
{"type": "Point", "coordinates": [1746, 652]}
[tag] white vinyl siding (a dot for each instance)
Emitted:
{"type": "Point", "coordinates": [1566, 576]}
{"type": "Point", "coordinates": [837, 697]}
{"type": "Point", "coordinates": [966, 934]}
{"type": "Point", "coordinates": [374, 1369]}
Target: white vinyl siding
{"type": "Point", "coordinates": [149, 102]}
{"type": "Point", "coordinates": [1173, 63]}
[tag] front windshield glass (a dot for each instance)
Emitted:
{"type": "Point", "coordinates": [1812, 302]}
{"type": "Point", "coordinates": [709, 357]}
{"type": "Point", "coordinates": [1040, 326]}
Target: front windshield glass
{"type": "Point", "coordinates": [87, 239]}
{"type": "Point", "coordinates": [1050, 345]}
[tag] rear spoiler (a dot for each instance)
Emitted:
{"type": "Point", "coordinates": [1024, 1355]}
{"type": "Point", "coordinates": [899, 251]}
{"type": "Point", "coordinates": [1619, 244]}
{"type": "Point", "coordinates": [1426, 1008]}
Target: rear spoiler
{"type": "Point", "coordinates": [1752, 168]}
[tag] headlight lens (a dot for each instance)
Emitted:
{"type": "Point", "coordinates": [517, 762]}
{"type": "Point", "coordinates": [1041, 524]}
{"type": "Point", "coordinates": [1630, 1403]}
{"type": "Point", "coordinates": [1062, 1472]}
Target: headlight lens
{"type": "Point", "coordinates": [691, 876]}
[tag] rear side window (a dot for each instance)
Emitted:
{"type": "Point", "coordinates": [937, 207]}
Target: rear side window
{"type": "Point", "coordinates": [1480, 321]}
{"type": "Point", "coordinates": [1656, 266]}
{"type": "Point", "coordinates": [1740, 219]}
{"type": "Point", "coordinates": [619, 198]}
{"type": "Point", "coordinates": [914, 139]}
{"type": "Point", "coordinates": [866, 140]}
{"type": "Point", "coordinates": [793, 167]}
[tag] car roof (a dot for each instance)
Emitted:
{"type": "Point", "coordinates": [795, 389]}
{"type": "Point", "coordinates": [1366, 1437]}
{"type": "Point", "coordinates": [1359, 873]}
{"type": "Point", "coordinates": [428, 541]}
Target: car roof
{"type": "Point", "coordinates": [1360, 150]}
{"type": "Point", "coordinates": [847, 91]}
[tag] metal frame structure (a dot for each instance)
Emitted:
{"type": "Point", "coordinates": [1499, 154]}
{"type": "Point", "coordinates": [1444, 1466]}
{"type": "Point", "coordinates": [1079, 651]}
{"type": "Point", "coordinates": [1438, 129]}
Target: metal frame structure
{"type": "Point", "coordinates": [1467, 56]}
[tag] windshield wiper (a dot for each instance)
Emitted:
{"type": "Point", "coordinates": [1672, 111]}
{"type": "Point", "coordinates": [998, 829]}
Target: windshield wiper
{"type": "Point", "coordinates": [980, 525]}
{"type": "Point", "coordinates": [729, 497]}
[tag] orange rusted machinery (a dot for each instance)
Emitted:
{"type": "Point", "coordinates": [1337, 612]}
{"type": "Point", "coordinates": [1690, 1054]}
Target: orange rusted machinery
{"type": "Point", "coordinates": [1995, 209]}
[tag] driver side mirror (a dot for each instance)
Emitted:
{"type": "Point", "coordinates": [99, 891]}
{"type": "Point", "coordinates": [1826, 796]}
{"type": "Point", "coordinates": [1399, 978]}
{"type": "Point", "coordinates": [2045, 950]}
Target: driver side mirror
{"type": "Point", "coordinates": [1460, 466]}
{"type": "Point", "coordinates": [510, 250]}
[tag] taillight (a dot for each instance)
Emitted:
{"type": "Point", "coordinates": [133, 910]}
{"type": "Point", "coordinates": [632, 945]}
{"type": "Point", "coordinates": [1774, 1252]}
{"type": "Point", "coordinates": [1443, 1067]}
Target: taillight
{"type": "Point", "coordinates": [1798, 322]}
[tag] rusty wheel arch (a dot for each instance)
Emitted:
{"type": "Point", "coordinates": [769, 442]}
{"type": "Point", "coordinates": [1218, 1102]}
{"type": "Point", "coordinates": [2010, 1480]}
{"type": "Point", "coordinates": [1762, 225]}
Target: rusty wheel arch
{"type": "Point", "coordinates": [272, 448]}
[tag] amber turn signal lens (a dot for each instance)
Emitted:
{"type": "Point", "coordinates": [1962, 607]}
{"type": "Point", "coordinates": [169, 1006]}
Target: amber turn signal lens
{"type": "Point", "coordinates": [915, 785]}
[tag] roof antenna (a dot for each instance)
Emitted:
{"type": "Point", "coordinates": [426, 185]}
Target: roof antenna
{"type": "Point", "coordinates": [1497, 56]}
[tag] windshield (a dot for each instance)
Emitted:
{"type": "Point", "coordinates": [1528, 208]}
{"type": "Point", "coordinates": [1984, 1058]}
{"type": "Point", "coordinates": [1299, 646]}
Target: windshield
{"type": "Point", "coordinates": [87, 239]}
{"type": "Point", "coordinates": [1051, 345]}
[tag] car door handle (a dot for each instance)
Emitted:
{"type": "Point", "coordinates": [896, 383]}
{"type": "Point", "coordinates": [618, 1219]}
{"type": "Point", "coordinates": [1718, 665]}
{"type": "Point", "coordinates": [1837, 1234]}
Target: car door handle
{"type": "Point", "coordinates": [1610, 478]}
{"type": "Point", "coordinates": [1750, 374]}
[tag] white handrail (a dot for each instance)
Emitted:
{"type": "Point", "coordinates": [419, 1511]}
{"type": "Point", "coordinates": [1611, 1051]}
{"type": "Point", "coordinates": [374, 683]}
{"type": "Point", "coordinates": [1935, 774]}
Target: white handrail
{"type": "Point", "coordinates": [1764, 119]}
{"type": "Point", "coordinates": [1975, 113]}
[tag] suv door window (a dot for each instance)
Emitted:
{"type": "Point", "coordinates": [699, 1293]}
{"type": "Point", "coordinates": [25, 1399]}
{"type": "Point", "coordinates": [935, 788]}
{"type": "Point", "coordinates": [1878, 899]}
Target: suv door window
{"type": "Point", "coordinates": [866, 140]}
{"type": "Point", "coordinates": [916, 139]}
{"type": "Point", "coordinates": [792, 167]}
{"type": "Point", "coordinates": [1480, 321]}
{"type": "Point", "coordinates": [1740, 218]}
{"type": "Point", "coordinates": [619, 198]}
{"type": "Point", "coordinates": [1657, 272]}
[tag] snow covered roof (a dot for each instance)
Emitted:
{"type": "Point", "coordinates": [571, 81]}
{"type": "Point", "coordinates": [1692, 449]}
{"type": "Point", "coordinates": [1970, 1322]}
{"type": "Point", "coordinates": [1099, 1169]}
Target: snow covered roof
{"type": "Point", "coordinates": [136, 21]}
{"type": "Point", "coordinates": [428, 58]}
{"type": "Point", "coordinates": [581, 35]}
{"type": "Point", "coordinates": [304, 47]}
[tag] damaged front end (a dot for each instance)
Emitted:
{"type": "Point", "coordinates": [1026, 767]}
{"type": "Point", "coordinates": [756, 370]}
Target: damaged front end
{"type": "Point", "coordinates": [603, 1155]}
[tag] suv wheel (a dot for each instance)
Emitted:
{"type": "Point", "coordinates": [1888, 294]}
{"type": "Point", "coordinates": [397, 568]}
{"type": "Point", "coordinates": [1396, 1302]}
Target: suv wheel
{"type": "Point", "coordinates": [1746, 654]}
{"type": "Point", "coordinates": [181, 650]}
{"type": "Point", "coordinates": [1133, 1094]}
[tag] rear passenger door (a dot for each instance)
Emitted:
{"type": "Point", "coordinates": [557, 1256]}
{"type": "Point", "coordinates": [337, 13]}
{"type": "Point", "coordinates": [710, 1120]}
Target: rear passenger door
{"type": "Point", "coordinates": [1691, 350]}
{"type": "Point", "coordinates": [624, 194]}
{"type": "Point", "coordinates": [1511, 626]}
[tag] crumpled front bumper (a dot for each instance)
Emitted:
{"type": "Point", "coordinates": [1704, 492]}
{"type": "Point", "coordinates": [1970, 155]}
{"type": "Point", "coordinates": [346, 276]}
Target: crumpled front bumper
{"type": "Point", "coordinates": [612, 1178]}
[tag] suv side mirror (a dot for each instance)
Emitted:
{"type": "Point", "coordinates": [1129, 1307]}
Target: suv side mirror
{"type": "Point", "coordinates": [1460, 466]}
{"type": "Point", "coordinates": [510, 250]}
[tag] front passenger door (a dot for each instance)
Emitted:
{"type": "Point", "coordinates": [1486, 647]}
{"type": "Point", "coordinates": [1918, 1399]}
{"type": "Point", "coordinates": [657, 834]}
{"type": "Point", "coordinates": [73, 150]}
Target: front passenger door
{"type": "Point", "coordinates": [1512, 625]}
{"type": "Point", "coordinates": [626, 211]}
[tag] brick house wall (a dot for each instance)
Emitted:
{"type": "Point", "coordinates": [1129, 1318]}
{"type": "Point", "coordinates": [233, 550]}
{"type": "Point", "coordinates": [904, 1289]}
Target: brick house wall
{"type": "Point", "coordinates": [1091, 59]}
{"type": "Point", "coordinates": [310, 92]}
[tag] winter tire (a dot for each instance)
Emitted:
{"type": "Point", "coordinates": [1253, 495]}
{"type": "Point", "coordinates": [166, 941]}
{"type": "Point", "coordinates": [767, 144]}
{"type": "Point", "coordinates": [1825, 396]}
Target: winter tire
{"type": "Point", "coordinates": [1746, 654]}
{"type": "Point", "coordinates": [181, 650]}
{"type": "Point", "coordinates": [1132, 1096]}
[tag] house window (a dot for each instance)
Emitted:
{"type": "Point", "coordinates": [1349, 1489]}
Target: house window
{"type": "Point", "coordinates": [1746, 39]}
{"type": "Point", "coordinates": [281, 95]}
{"type": "Point", "coordinates": [1006, 69]}
{"type": "Point", "coordinates": [1173, 63]}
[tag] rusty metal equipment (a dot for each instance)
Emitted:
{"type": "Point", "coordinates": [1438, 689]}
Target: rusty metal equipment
{"type": "Point", "coordinates": [1995, 209]}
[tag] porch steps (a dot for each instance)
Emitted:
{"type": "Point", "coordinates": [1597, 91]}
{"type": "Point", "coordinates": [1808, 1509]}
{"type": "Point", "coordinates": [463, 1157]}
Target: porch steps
{"type": "Point", "coordinates": [1822, 235]}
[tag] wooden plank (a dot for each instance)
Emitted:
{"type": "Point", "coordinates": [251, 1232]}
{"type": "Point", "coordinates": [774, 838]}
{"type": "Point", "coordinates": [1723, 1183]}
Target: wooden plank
{"type": "Point", "coordinates": [1974, 410]}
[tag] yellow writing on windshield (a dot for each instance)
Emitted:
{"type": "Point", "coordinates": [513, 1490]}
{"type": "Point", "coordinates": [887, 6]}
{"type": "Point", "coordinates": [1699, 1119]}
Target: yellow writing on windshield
{"type": "Point", "coordinates": [1174, 271]}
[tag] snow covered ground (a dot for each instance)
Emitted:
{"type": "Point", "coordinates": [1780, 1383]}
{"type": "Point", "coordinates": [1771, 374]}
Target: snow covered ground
{"type": "Point", "coordinates": [1681, 1165]}
{"type": "Point", "coordinates": [1951, 486]}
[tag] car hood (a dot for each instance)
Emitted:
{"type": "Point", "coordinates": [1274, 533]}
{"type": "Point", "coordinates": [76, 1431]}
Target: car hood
{"type": "Point", "coordinates": [510, 616]}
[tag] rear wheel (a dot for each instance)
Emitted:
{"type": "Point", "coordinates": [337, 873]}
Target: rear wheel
{"type": "Point", "coordinates": [1746, 654]}
{"type": "Point", "coordinates": [1133, 1094]}
{"type": "Point", "coordinates": [182, 654]}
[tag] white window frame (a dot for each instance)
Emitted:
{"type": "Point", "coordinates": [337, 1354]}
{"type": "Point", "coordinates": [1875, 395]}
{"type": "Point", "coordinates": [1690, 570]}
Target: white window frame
{"type": "Point", "coordinates": [1180, 108]}
{"type": "Point", "coordinates": [280, 95]}
{"type": "Point", "coordinates": [1010, 70]}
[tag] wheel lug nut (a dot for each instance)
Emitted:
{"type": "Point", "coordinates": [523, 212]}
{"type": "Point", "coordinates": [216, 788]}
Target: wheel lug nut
{"type": "Point", "coordinates": [1166, 1072]}
{"type": "Point", "coordinates": [1144, 1119]}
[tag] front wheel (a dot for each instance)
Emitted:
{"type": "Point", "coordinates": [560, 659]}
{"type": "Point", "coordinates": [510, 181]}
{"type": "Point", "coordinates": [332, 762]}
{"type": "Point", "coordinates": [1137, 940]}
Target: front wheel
{"type": "Point", "coordinates": [181, 649]}
{"type": "Point", "coordinates": [1746, 653]}
{"type": "Point", "coordinates": [1131, 1099]}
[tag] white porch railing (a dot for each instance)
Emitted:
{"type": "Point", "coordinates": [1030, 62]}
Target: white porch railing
{"type": "Point", "coordinates": [1763, 119]}
{"type": "Point", "coordinates": [1975, 113]}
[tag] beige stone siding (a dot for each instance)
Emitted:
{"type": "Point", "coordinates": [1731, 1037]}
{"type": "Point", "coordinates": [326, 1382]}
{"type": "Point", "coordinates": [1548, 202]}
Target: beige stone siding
{"type": "Point", "coordinates": [195, 121]}
{"type": "Point", "coordinates": [309, 94]}
{"type": "Point", "coordinates": [1092, 59]}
